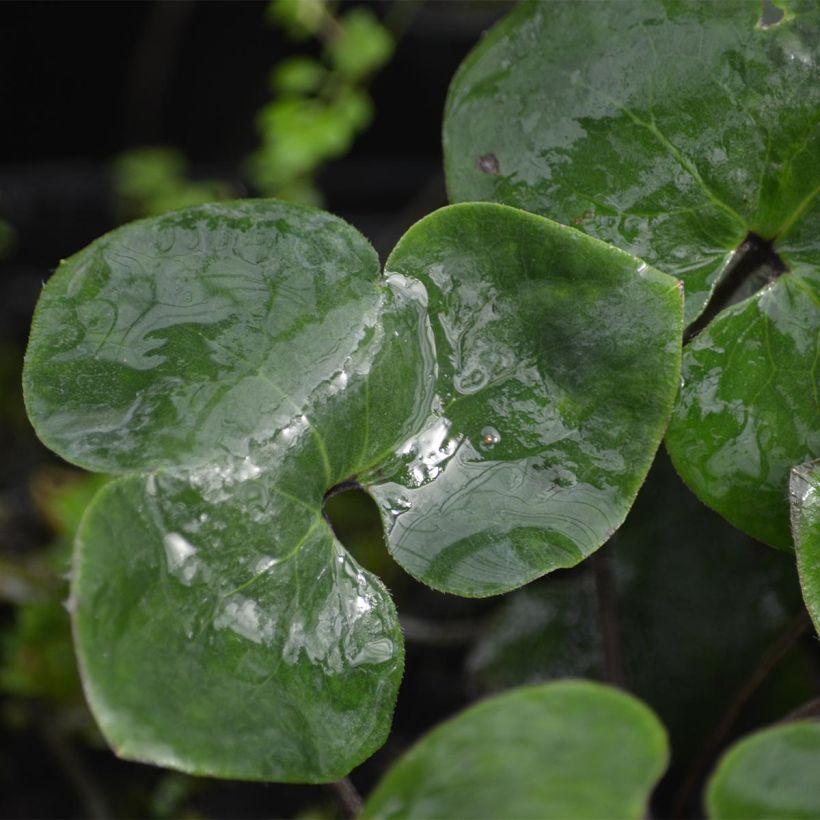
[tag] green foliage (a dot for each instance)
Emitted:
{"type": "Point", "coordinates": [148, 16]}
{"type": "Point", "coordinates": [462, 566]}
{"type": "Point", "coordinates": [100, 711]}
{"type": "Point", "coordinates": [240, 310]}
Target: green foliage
{"type": "Point", "coordinates": [678, 160]}
{"type": "Point", "coordinates": [319, 106]}
{"type": "Point", "coordinates": [460, 368]}
{"type": "Point", "coordinates": [804, 492]}
{"type": "Point", "coordinates": [500, 391]}
{"type": "Point", "coordinates": [771, 774]}
{"type": "Point", "coordinates": [571, 750]}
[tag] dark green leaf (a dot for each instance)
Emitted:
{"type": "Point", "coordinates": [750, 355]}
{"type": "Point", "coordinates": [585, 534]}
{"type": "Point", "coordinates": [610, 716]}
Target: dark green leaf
{"type": "Point", "coordinates": [556, 369]}
{"type": "Point", "coordinates": [242, 359]}
{"type": "Point", "coordinates": [804, 491]}
{"type": "Point", "coordinates": [564, 750]}
{"type": "Point", "coordinates": [748, 405]}
{"type": "Point", "coordinates": [770, 775]}
{"type": "Point", "coordinates": [669, 129]}
{"type": "Point", "coordinates": [235, 362]}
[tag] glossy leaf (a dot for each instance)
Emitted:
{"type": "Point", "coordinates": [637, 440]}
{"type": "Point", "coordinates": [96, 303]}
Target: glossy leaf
{"type": "Point", "coordinates": [238, 360]}
{"type": "Point", "coordinates": [748, 405]}
{"type": "Point", "coordinates": [675, 131]}
{"type": "Point", "coordinates": [564, 750]}
{"type": "Point", "coordinates": [669, 129]}
{"type": "Point", "coordinates": [235, 362]}
{"type": "Point", "coordinates": [771, 774]}
{"type": "Point", "coordinates": [530, 459]}
{"type": "Point", "coordinates": [804, 492]}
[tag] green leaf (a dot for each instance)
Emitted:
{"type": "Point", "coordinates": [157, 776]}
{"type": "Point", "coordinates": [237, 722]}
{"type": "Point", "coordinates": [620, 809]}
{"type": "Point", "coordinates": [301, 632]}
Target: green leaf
{"type": "Point", "coordinates": [298, 75]}
{"type": "Point", "coordinates": [804, 492]}
{"type": "Point", "coordinates": [230, 357]}
{"type": "Point", "coordinates": [361, 46]}
{"type": "Point", "coordinates": [530, 456]}
{"type": "Point", "coordinates": [235, 362]}
{"type": "Point", "coordinates": [565, 750]}
{"type": "Point", "coordinates": [770, 774]}
{"type": "Point", "coordinates": [748, 405]}
{"type": "Point", "coordinates": [669, 129]}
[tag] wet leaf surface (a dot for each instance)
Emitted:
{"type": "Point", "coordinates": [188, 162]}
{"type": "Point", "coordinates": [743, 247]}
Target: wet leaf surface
{"type": "Point", "coordinates": [235, 362]}
{"type": "Point", "coordinates": [771, 774]}
{"type": "Point", "coordinates": [670, 130]}
{"type": "Point", "coordinates": [748, 405]}
{"type": "Point", "coordinates": [676, 131]}
{"type": "Point", "coordinates": [570, 749]}
{"type": "Point", "coordinates": [804, 492]}
{"type": "Point", "coordinates": [530, 459]}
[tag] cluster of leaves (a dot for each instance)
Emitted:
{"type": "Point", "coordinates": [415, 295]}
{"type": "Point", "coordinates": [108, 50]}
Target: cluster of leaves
{"type": "Point", "coordinates": [318, 108]}
{"type": "Point", "coordinates": [319, 105]}
{"type": "Point", "coordinates": [500, 390]}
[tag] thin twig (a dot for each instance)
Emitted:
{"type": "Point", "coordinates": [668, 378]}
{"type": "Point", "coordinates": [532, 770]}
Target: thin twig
{"type": "Point", "coordinates": [810, 709]}
{"type": "Point", "coordinates": [347, 796]}
{"type": "Point", "coordinates": [608, 618]}
{"type": "Point", "coordinates": [793, 631]}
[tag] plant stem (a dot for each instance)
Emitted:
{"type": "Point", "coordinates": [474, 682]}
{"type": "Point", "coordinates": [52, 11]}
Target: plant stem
{"type": "Point", "coordinates": [347, 796]}
{"type": "Point", "coordinates": [753, 255]}
{"type": "Point", "coordinates": [608, 617]}
{"type": "Point", "coordinates": [793, 631]}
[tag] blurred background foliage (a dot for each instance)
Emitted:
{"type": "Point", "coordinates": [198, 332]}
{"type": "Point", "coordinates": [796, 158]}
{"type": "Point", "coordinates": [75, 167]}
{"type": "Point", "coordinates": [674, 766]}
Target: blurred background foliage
{"type": "Point", "coordinates": [155, 106]}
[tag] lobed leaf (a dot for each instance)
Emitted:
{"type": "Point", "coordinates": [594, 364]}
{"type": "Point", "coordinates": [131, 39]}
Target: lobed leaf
{"type": "Point", "coordinates": [235, 362]}
{"type": "Point", "coordinates": [570, 749]}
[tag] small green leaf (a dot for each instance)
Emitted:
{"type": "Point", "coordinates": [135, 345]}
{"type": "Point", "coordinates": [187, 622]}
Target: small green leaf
{"type": "Point", "coordinates": [748, 405]}
{"type": "Point", "coordinates": [770, 775]}
{"type": "Point", "coordinates": [298, 75]}
{"type": "Point", "coordinates": [804, 492]}
{"type": "Point", "coordinates": [669, 129]}
{"type": "Point", "coordinates": [530, 458]}
{"type": "Point", "coordinates": [564, 750]}
{"type": "Point", "coordinates": [299, 18]}
{"type": "Point", "coordinates": [362, 45]}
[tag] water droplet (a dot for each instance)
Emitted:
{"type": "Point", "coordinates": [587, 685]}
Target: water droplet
{"type": "Point", "coordinates": [489, 438]}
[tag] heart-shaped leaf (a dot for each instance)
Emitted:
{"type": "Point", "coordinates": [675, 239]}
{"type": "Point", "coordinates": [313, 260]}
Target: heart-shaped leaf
{"type": "Point", "coordinates": [686, 134]}
{"type": "Point", "coordinates": [556, 357]}
{"type": "Point", "coordinates": [235, 362]}
{"type": "Point", "coordinates": [771, 775]}
{"type": "Point", "coordinates": [804, 492]}
{"type": "Point", "coordinates": [570, 749]}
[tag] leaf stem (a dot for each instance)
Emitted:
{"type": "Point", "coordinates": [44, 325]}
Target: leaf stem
{"type": "Point", "coordinates": [753, 255]}
{"type": "Point", "coordinates": [347, 796]}
{"type": "Point", "coordinates": [793, 631]}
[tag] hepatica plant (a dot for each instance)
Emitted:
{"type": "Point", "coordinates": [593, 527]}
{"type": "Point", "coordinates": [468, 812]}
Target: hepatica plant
{"type": "Point", "coordinates": [500, 389]}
